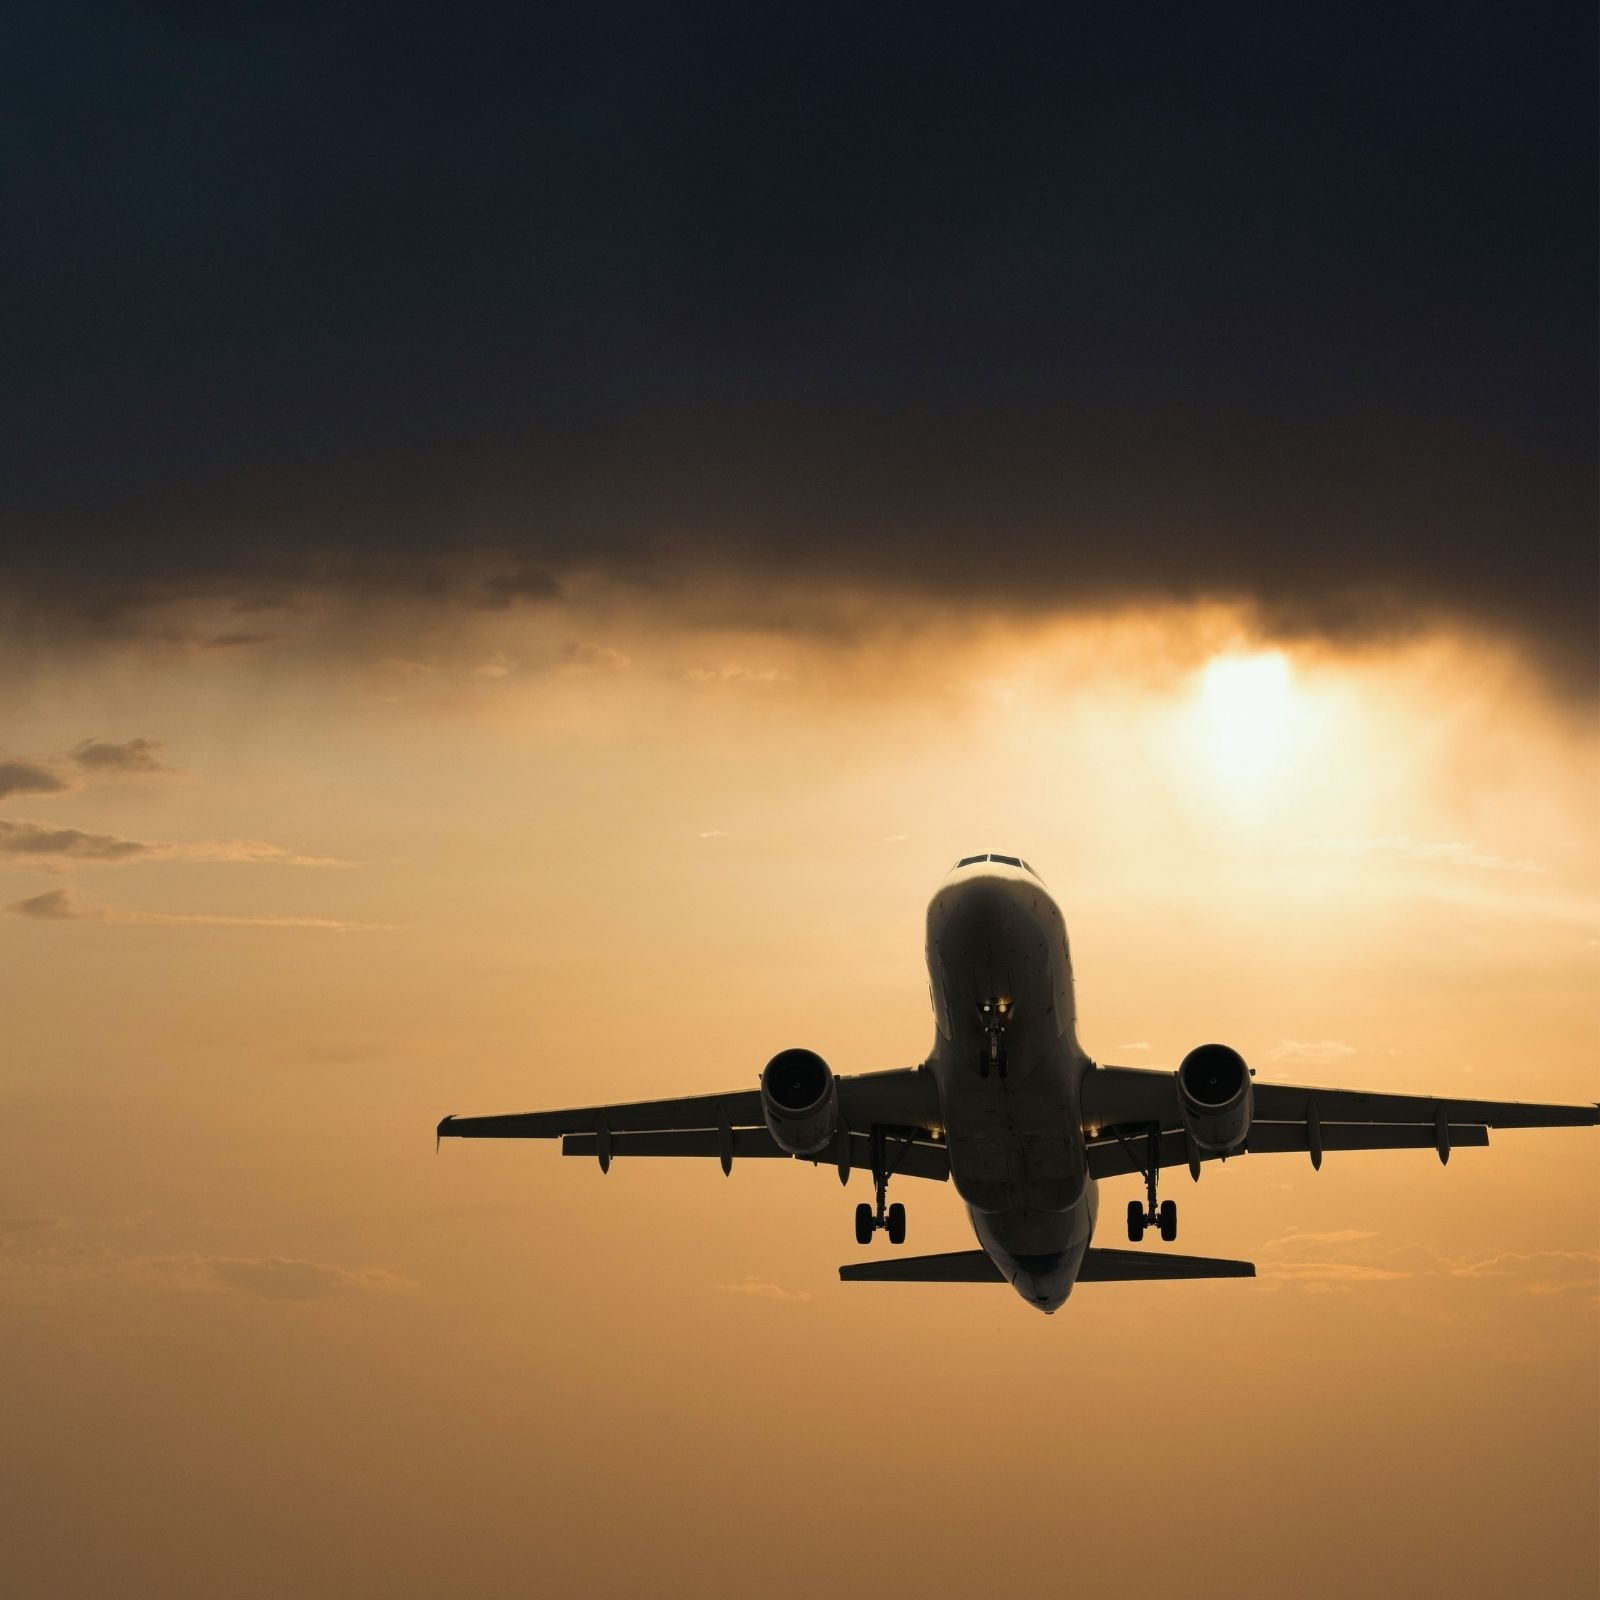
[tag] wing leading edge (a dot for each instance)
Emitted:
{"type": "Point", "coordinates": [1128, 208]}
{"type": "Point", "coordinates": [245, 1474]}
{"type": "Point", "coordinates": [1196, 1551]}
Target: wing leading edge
{"type": "Point", "coordinates": [732, 1126]}
{"type": "Point", "coordinates": [1121, 1105]}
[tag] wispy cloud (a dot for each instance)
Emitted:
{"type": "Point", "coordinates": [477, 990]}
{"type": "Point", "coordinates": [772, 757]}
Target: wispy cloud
{"type": "Point", "coordinates": [757, 1290]}
{"type": "Point", "coordinates": [136, 756]}
{"type": "Point", "coordinates": [282, 1278]}
{"type": "Point", "coordinates": [1402, 847]}
{"type": "Point", "coordinates": [737, 672]}
{"type": "Point", "coordinates": [1307, 1052]}
{"type": "Point", "coordinates": [56, 1250]}
{"type": "Point", "coordinates": [1541, 1272]}
{"type": "Point", "coordinates": [236, 639]}
{"type": "Point", "coordinates": [29, 777]}
{"type": "Point", "coordinates": [23, 840]}
{"type": "Point", "coordinates": [579, 657]}
{"type": "Point", "coordinates": [405, 667]}
{"type": "Point", "coordinates": [60, 905]}
{"type": "Point", "coordinates": [88, 761]}
{"type": "Point", "coordinates": [242, 850]}
{"type": "Point", "coordinates": [40, 841]}
{"type": "Point", "coordinates": [523, 586]}
{"type": "Point", "coordinates": [1335, 1259]}
{"type": "Point", "coordinates": [1325, 1262]}
{"type": "Point", "coordinates": [13, 1229]}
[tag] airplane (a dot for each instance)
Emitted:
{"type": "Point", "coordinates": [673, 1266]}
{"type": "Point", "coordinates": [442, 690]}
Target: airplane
{"type": "Point", "coordinates": [1010, 1109]}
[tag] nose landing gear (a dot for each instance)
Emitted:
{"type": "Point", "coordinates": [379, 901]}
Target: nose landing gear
{"type": "Point", "coordinates": [995, 1013]}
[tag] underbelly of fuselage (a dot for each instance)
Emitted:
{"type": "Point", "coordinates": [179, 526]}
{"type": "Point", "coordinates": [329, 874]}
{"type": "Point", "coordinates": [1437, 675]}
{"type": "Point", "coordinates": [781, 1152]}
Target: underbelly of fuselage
{"type": "Point", "coordinates": [1009, 1071]}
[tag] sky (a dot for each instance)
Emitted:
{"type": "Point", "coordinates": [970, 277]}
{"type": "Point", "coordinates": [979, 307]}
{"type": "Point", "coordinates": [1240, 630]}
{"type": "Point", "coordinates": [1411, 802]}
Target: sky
{"type": "Point", "coordinates": [532, 542]}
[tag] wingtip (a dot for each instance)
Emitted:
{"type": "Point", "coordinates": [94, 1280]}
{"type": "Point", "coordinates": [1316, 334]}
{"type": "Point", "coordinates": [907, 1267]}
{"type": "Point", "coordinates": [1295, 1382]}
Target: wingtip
{"type": "Point", "coordinates": [442, 1130]}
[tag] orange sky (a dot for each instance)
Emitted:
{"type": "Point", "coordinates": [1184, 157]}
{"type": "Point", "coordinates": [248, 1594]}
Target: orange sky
{"type": "Point", "coordinates": [256, 1338]}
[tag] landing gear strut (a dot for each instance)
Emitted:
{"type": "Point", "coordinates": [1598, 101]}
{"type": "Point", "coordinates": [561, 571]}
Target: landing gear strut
{"type": "Point", "coordinates": [1150, 1215]}
{"type": "Point", "coordinates": [891, 1218]}
{"type": "Point", "coordinates": [995, 1012]}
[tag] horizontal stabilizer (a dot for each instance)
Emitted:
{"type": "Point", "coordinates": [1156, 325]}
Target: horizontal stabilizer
{"type": "Point", "coordinates": [957, 1266]}
{"type": "Point", "coordinates": [1124, 1266]}
{"type": "Point", "coordinates": [1099, 1266]}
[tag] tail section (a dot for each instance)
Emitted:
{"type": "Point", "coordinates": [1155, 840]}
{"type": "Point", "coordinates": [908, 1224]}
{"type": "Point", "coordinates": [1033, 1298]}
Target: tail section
{"type": "Point", "coordinates": [1099, 1266]}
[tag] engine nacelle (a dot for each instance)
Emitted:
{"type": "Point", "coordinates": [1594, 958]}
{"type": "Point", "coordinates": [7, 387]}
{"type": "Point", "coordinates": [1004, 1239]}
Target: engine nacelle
{"type": "Point", "coordinates": [800, 1101]}
{"type": "Point", "coordinates": [1214, 1096]}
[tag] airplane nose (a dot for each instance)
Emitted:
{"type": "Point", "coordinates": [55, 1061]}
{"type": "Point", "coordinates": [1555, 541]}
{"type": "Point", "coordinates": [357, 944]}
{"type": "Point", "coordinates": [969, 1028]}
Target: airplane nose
{"type": "Point", "coordinates": [1038, 1295]}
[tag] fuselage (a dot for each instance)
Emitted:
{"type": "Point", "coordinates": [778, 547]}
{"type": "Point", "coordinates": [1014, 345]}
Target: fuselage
{"type": "Point", "coordinates": [1010, 1072]}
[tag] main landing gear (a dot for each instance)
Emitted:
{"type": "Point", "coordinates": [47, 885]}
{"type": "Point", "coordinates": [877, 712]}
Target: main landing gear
{"type": "Point", "coordinates": [1150, 1215]}
{"type": "Point", "coordinates": [891, 1218]}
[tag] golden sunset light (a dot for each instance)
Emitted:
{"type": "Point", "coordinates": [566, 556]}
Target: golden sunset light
{"type": "Point", "coordinates": [555, 557]}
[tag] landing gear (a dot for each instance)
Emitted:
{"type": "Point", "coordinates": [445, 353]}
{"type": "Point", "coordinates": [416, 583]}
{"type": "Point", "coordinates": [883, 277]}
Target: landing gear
{"type": "Point", "coordinates": [880, 1214]}
{"type": "Point", "coordinates": [1164, 1216]}
{"type": "Point", "coordinates": [995, 1012]}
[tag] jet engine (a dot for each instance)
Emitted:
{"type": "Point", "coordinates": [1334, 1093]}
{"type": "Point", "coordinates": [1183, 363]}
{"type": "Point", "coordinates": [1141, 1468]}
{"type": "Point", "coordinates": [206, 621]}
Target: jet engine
{"type": "Point", "coordinates": [1214, 1096]}
{"type": "Point", "coordinates": [800, 1101]}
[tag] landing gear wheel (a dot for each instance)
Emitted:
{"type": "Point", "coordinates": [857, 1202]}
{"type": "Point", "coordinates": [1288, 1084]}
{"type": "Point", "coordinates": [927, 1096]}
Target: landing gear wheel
{"type": "Point", "coordinates": [897, 1223]}
{"type": "Point", "coordinates": [1135, 1221]}
{"type": "Point", "coordinates": [1169, 1220]}
{"type": "Point", "coordinates": [864, 1223]}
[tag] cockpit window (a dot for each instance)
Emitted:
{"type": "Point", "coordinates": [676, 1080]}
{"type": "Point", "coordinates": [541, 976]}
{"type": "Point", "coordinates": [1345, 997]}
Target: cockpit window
{"type": "Point", "coordinates": [1006, 861]}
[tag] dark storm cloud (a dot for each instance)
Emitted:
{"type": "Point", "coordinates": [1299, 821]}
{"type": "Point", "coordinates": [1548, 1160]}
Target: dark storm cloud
{"type": "Point", "coordinates": [1048, 306]}
{"type": "Point", "coordinates": [132, 755]}
{"type": "Point", "coordinates": [28, 777]}
{"type": "Point", "coordinates": [510, 588]}
{"type": "Point", "coordinates": [236, 639]}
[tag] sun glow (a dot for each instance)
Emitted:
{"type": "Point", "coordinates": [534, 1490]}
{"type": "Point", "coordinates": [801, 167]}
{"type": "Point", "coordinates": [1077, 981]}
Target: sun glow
{"type": "Point", "coordinates": [1245, 715]}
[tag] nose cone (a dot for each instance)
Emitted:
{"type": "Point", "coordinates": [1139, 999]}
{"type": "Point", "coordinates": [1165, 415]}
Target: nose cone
{"type": "Point", "coordinates": [987, 908]}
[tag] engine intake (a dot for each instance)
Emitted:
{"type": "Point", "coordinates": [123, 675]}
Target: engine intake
{"type": "Point", "coordinates": [1214, 1096]}
{"type": "Point", "coordinates": [800, 1101]}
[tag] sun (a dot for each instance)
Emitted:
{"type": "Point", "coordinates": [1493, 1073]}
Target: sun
{"type": "Point", "coordinates": [1244, 712]}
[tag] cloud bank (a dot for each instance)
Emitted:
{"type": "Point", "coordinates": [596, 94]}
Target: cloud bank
{"type": "Point", "coordinates": [1056, 314]}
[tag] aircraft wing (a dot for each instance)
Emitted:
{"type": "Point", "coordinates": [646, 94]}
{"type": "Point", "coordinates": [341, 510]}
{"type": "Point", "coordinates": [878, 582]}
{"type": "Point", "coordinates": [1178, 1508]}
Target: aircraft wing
{"type": "Point", "coordinates": [904, 1103]}
{"type": "Point", "coordinates": [1121, 1105]}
